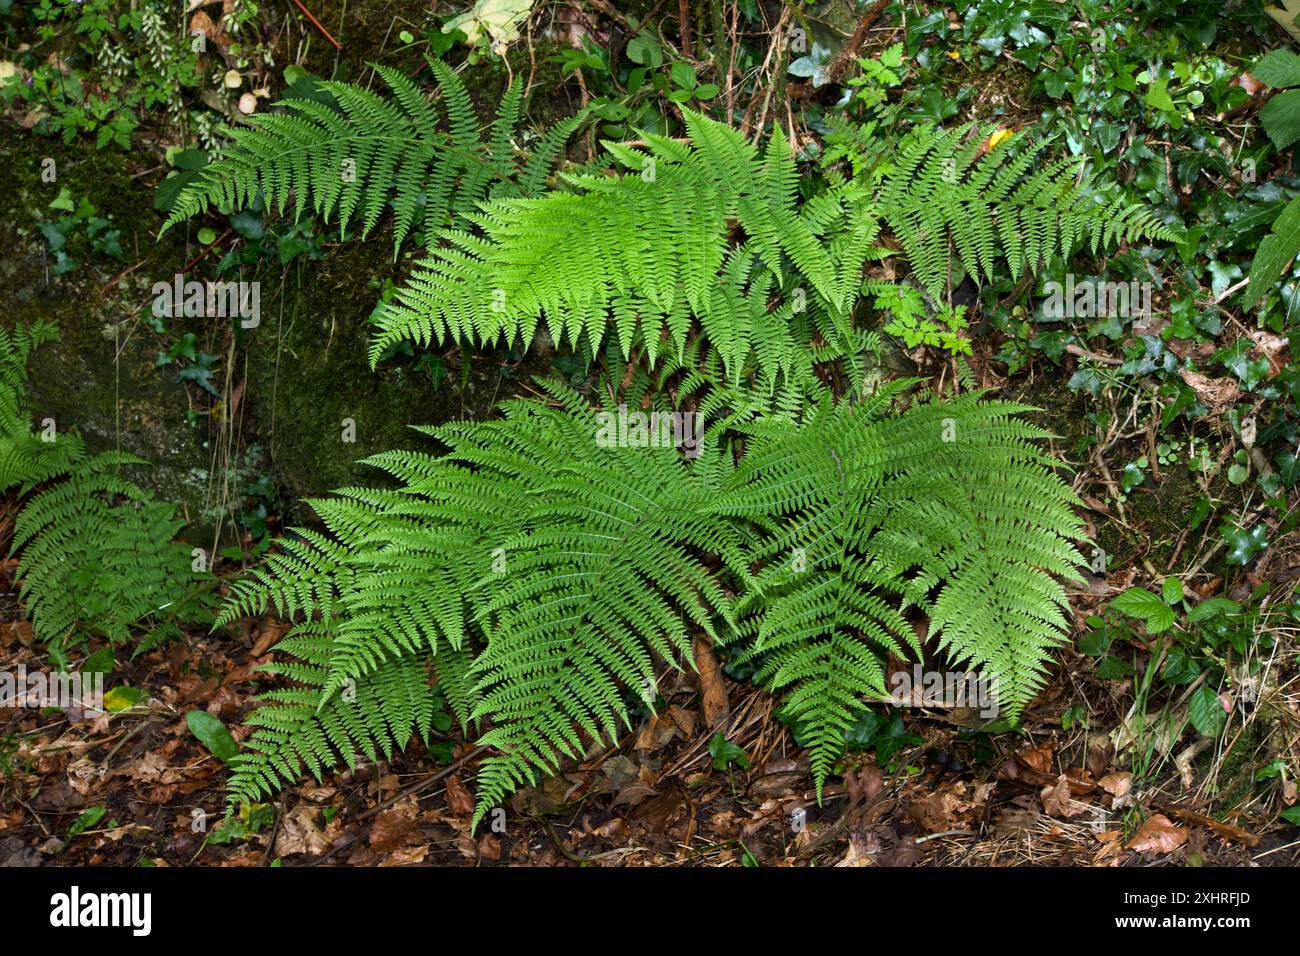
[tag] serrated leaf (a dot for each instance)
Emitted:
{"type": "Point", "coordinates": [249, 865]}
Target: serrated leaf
{"type": "Point", "coordinates": [1147, 607]}
{"type": "Point", "coordinates": [1281, 118]}
{"type": "Point", "coordinates": [1172, 590]}
{"type": "Point", "coordinates": [1212, 607]}
{"type": "Point", "coordinates": [1274, 252]}
{"type": "Point", "coordinates": [1205, 711]}
{"type": "Point", "coordinates": [1278, 69]}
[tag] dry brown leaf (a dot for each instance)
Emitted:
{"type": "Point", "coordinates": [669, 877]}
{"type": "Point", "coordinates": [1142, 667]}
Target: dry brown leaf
{"type": "Point", "coordinates": [713, 693]}
{"type": "Point", "coordinates": [857, 855]}
{"type": "Point", "coordinates": [407, 856]}
{"type": "Point", "coordinates": [272, 631]}
{"type": "Point", "coordinates": [656, 732]}
{"type": "Point", "coordinates": [458, 797]}
{"type": "Point", "coordinates": [1057, 802]}
{"type": "Point", "coordinates": [300, 833]}
{"type": "Point", "coordinates": [489, 848]}
{"type": "Point", "coordinates": [1248, 83]}
{"type": "Point", "coordinates": [1158, 835]}
{"type": "Point", "coordinates": [393, 829]}
{"type": "Point", "coordinates": [1215, 393]}
{"type": "Point", "coordinates": [1040, 758]}
{"type": "Point", "coordinates": [1116, 784]}
{"type": "Point", "coordinates": [684, 719]}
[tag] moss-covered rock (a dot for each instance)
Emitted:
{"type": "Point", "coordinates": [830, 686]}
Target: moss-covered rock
{"type": "Point", "coordinates": [100, 379]}
{"type": "Point", "coordinates": [315, 402]}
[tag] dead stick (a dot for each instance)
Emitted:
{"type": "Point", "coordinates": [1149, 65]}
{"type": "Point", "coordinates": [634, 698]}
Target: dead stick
{"type": "Point", "coordinates": [317, 25]}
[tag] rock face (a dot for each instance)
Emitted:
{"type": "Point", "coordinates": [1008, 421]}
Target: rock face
{"type": "Point", "coordinates": [301, 387]}
{"type": "Point", "coordinates": [317, 405]}
{"type": "Point", "coordinates": [100, 378]}
{"type": "Point", "coordinates": [305, 405]}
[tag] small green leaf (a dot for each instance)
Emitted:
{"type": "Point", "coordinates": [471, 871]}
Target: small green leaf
{"type": "Point", "coordinates": [725, 753]}
{"type": "Point", "coordinates": [1291, 815]}
{"type": "Point", "coordinates": [122, 698]}
{"type": "Point", "coordinates": [683, 75]}
{"type": "Point", "coordinates": [213, 734]}
{"type": "Point", "coordinates": [1172, 590]}
{"type": "Point", "coordinates": [89, 817]}
{"type": "Point", "coordinates": [207, 236]}
{"type": "Point", "coordinates": [100, 662]}
{"type": "Point", "coordinates": [63, 200]}
{"type": "Point", "coordinates": [1212, 607]}
{"type": "Point", "coordinates": [1142, 604]}
{"type": "Point", "coordinates": [1205, 711]}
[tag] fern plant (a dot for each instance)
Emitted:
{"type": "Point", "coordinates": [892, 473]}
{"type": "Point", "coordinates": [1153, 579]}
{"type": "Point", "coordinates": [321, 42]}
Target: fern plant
{"type": "Point", "coordinates": [96, 553]}
{"type": "Point", "coordinates": [542, 576]}
{"type": "Point", "coordinates": [538, 572]}
{"type": "Point", "coordinates": [706, 231]}
{"type": "Point", "coordinates": [947, 507]}
{"type": "Point", "coordinates": [347, 161]}
{"type": "Point", "coordinates": [26, 458]}
{"type": "Point", "coordinates": [710, 231]}
{"type": "Point", "coordinates": [947, 193]}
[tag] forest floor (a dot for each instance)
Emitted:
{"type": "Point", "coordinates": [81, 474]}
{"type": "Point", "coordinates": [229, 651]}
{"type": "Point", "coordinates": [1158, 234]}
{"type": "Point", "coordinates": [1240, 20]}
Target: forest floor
{"type": "Point", "coordinates": [135, 787]}
{"type": "Point", "coordinates": [1092, 777]}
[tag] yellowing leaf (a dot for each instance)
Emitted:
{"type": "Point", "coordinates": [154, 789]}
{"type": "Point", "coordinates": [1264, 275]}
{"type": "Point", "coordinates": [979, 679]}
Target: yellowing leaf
{"type": "Point", "coordinates": [122, 698]}
{"type": "Point", "coordinates": [998, 136]}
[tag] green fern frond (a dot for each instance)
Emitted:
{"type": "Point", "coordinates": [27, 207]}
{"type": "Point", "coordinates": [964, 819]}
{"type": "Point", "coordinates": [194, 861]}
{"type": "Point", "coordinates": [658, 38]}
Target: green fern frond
{"type": "Point", "coordinates": [348, 161]}
{"type": "Point", "coordinates": [696, 232]}
{"type": "Point", "coordinates": [864, 511]}
{"type": "Point", "coordinates": [96, 553]}
{"type": "Point", "coordinates": [99, 554]}
{"type": "Point", "coordinates": [947, 197]}
{"type": "Point", "coordinates": [302, 728]}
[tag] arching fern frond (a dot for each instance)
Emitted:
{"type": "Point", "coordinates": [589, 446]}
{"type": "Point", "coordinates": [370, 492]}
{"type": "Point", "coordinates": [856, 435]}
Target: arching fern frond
{"type": "Point", "coordinates": [96, 553]}
{"type": "Point", "coordinates": [948, 507]}
{"type": "Point", "coordinates": [706, 231]}
{"type": "Point", "coordinates": [947, 194]}
{"type": "Point", "coordinates": [301, 728]}
{"type": "Point", "coordinates": [348, 161]}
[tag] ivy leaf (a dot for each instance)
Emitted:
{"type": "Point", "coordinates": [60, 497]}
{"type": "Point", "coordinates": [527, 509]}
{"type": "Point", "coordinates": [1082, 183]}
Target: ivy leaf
{"type": "Point", "coordinates": [1222, 274]}
{"type": "Point", "coordinates": [1142, 604]}
{"type": "Point", "coordinates": [1242, 544]}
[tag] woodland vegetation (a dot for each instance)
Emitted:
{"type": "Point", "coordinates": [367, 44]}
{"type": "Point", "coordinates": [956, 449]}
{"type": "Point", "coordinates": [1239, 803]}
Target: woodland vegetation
{"type": "Point", "coordinates": [735, 433]}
